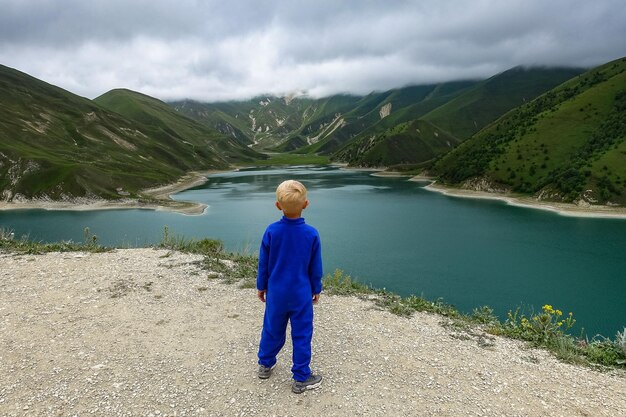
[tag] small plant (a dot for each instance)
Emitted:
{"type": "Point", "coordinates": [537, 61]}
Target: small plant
{"type": "Point", "coordinates": [91, 240]}
{"type": "Point", "coordinates": [484, 315]}
{"type": "Point", "coordinates": [341, 284]}
{"type": "Point", "coordinates": [395, 304]}
{"type": "Point", "coordinates": [541, 328]}
{"type": "Point", "coordinates": [209, 247]}
{"type": "Point", "coordinates": [620, 342]}
{"type": "Point", "coordinates": [6, 234]}
{"type": "Point", "coordinates": [27, 246]}
{"type": "Point", "coordinates": [604, 351]}
{"type": "Point", "coordinates": [438, 306]}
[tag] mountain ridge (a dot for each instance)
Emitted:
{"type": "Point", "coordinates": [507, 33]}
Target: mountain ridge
{"type": "Point", "coordinates": [57, 145]}
{"type": "Point", "coordinates": [566, 145]}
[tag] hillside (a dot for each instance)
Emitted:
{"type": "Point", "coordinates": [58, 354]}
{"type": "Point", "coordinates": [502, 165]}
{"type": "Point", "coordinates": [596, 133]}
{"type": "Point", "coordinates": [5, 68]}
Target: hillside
{"type": "Point", "coordinates": [163, 123]}
{"type": "Point", "coordinates": [321, 126]}
{"type": "Point", "coordinates": [377, 112]}
{"type": "Point", "coordinates": [269, 121]}
{"type": "Point", "coordinates": [57, 145]}
{"type": "Point", "coordinates": [406, 144]}
{"type": "Point", "coordinates": [569, 144]}
{"type": "Point", "coordinates": [451, 113]}
{"type": "Point", "coordinates": [488, 100]}
{"type": "Point", "coordinates": [150, 332]}
{"type": "Point", "coordinates": [355, 129]}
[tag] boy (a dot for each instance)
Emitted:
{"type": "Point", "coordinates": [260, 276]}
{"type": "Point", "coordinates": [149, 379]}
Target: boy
{"type": "Point", "coordinates": [290, 279]}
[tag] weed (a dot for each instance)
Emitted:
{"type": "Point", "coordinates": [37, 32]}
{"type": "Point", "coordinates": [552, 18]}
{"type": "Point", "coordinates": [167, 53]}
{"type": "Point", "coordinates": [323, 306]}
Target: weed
{"type": "Point", "coordinates": [541, 328]}
{"type": "Point", "coordinates": [604, 351]}
{"type": "Point", "coordinates": [341, 284]}
{"type": "Point", "coordinates": [484, 315]}
{"type": "Point", "coordinates": [24, 245]}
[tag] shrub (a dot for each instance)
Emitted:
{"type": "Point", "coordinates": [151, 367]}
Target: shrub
{"type": "Point", "coordinates": [542, 328]}
{"type": "Point", "coordinates": [341, 284]}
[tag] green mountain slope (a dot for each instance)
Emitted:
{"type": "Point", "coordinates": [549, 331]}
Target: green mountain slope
{"type": "Point", "coordinates": [568, 144]}
{"type": "Point", "coordinates": [344, 126]}
{"type": "Point", "coordinates": [347, 127]}
{"type": "Point", "coordinates": [458, 109]}
{"type": "Point", "coordinates": [409, 143]}
{"type": "Point", "coordinates": [356, 151]}
{"type": "Point", "coordinates": [491, 98]}
{"type": "Point", "coordinates": [57, 145]}
{"type": "Point", "coordinates": [320, 126]}
{"type": "Point", "coordinates": [164, 124]}
{"type": "Point", "coordinates": [269, 121]}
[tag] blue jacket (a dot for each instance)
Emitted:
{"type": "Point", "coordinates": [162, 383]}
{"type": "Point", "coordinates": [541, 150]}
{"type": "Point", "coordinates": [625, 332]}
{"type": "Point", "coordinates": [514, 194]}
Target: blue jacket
{"type": "Point", "coordinates": [290, 260]}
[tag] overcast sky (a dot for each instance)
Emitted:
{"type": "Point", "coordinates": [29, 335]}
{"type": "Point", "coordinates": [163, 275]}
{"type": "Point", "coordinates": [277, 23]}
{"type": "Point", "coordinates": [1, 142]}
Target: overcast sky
{"type": "Point", "coordinates": [235, 49]}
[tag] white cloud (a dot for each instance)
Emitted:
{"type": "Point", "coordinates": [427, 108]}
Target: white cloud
{"type": "Point", "coordinates": [216, 50]}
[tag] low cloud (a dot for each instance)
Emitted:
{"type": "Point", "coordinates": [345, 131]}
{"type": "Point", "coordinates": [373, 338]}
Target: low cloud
{"type": "Point", "coordinates": [215, 50]}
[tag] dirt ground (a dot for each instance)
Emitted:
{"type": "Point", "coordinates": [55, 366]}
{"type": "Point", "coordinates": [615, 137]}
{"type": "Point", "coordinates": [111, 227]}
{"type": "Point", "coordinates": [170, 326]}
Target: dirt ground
{"type": "Point", "coordinates": [144, 332]}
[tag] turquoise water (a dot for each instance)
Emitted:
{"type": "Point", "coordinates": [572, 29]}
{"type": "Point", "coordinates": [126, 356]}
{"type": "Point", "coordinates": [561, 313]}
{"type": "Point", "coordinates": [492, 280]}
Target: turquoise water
{"type": "Point", "coordinates": [392, 233]}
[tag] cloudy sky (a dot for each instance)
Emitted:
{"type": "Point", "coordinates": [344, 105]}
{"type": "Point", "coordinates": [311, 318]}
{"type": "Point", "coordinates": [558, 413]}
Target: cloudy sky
{"type": "Point", "coordinates": [235, 49]}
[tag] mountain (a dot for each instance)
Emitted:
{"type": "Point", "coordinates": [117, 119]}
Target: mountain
{"type": "Point", "coordinates": [57, 145]}
{"type": "Point", "coordinates": [568, 144]}
{"type": "Point", "coordinates": [488, 100]}
{"type": "Point", "coordinates": [322, 126]}
{"type": "Point", "coordinates": [451, 113]}
{"type": "Point", "coordinates": [370, 114]}
{"type": "Point", "coordinates": [268, 122]}
{"type": "Point", "coordinates": [164, 124]}
{"type": "Point", "coordinates": [355, 129]}
{"type": "Point", "coordinates": [406, 145]}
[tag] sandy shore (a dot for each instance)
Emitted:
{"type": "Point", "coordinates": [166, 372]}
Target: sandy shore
{"type": "Point", "coordinates": [564, 209]}
{"type": "Point", "coordinates": [158, 198]}
{"type": "Point", "coordinates": [391, 174]}
{"type": "Point", "coordinates": [144, 332]}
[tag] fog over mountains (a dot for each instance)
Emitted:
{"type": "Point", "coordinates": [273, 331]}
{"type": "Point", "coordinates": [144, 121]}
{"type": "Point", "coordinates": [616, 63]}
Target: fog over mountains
{"type": "Point", "coordinates": [219, 51]}
{"type": "Point", "coordinates": [552, 132]}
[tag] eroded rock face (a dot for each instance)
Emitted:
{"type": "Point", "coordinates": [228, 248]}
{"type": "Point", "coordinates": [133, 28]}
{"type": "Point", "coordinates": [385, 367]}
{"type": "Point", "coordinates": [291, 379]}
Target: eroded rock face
{"type": "Point", "coordinates": [549, 194]}
{"type": "Point", "coordinates": [14, 170]}
{"type": "Point", "coordinates": [485, 184]}
{"type": "Point", "coordinates": [385, 110]}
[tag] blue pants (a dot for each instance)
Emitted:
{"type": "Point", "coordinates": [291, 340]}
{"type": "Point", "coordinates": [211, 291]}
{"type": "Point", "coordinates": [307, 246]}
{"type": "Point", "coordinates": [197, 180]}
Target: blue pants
{"type": "Point", "coordinates": [274, 333]}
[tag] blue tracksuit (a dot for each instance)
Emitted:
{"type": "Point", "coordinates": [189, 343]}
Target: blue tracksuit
{"type": "Point", "coordinates": [290, 269]}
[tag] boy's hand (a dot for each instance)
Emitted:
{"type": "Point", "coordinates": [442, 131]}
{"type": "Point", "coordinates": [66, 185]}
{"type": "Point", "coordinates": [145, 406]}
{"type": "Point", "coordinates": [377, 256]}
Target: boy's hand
{"type": "Point", "coordinates": [261, 294]}
{"type": "Point", "coordinates": [316, 298]}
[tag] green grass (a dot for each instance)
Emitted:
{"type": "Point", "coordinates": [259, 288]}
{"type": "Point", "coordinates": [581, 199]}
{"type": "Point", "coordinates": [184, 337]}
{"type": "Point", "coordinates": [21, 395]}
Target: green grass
{"type": "Point", "coordinates": [278, 159]}
{"type": "Point", "coordinates": [406, 144]}
{"type": "Point", "coordinates": [563, 143]}
{"type": "Point", "coordinates": [231, 267]}
{"type": "Point", "coordinates": [492, 98]}
{"type": "Point", "coordinates": [56, 144]}
{"type": "Point", "coordinates": [24, 245]}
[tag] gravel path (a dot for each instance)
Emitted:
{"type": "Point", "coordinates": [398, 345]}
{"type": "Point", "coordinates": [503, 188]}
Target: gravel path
{"type": "Point", "coordinates": [140, 332]}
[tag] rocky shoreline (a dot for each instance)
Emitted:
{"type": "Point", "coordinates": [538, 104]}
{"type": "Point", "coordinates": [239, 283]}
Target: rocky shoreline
{"type": "Point", "coordinates": [157, 198]}
{"type": "Point", "coordinates": [140, 332]}
{"type": "Point", "coordinates": [564, 209]}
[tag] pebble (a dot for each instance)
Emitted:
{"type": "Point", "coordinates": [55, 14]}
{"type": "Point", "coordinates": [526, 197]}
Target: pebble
{"type": "Point", "coordinates": [124, 332]}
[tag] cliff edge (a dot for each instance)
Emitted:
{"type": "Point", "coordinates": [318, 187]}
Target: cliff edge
{"type": "Point", "coordinates": [149, 332]}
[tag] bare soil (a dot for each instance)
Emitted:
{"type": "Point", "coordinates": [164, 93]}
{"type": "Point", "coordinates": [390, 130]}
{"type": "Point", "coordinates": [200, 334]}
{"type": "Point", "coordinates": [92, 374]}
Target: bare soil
{"type": "Point", "coordinates": [140, 332]}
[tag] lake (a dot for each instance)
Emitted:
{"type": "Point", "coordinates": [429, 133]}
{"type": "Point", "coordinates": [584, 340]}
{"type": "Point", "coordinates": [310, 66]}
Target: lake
{"type": "Point", "coordinates": [392, 233]}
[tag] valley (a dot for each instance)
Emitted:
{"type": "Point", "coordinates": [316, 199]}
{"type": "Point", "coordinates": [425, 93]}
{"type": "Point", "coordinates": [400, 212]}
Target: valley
{"type": "Point", "coordinates": [552, 134]}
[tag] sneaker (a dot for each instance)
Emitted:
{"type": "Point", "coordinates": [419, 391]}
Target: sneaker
{"type": "Point", "coordinates": [265, 372]}
{"type": "Point", "coordinates": [314, 381]}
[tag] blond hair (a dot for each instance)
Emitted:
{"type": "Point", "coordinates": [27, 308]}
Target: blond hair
{"type": "Point", "coordinates": [291, 195]}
